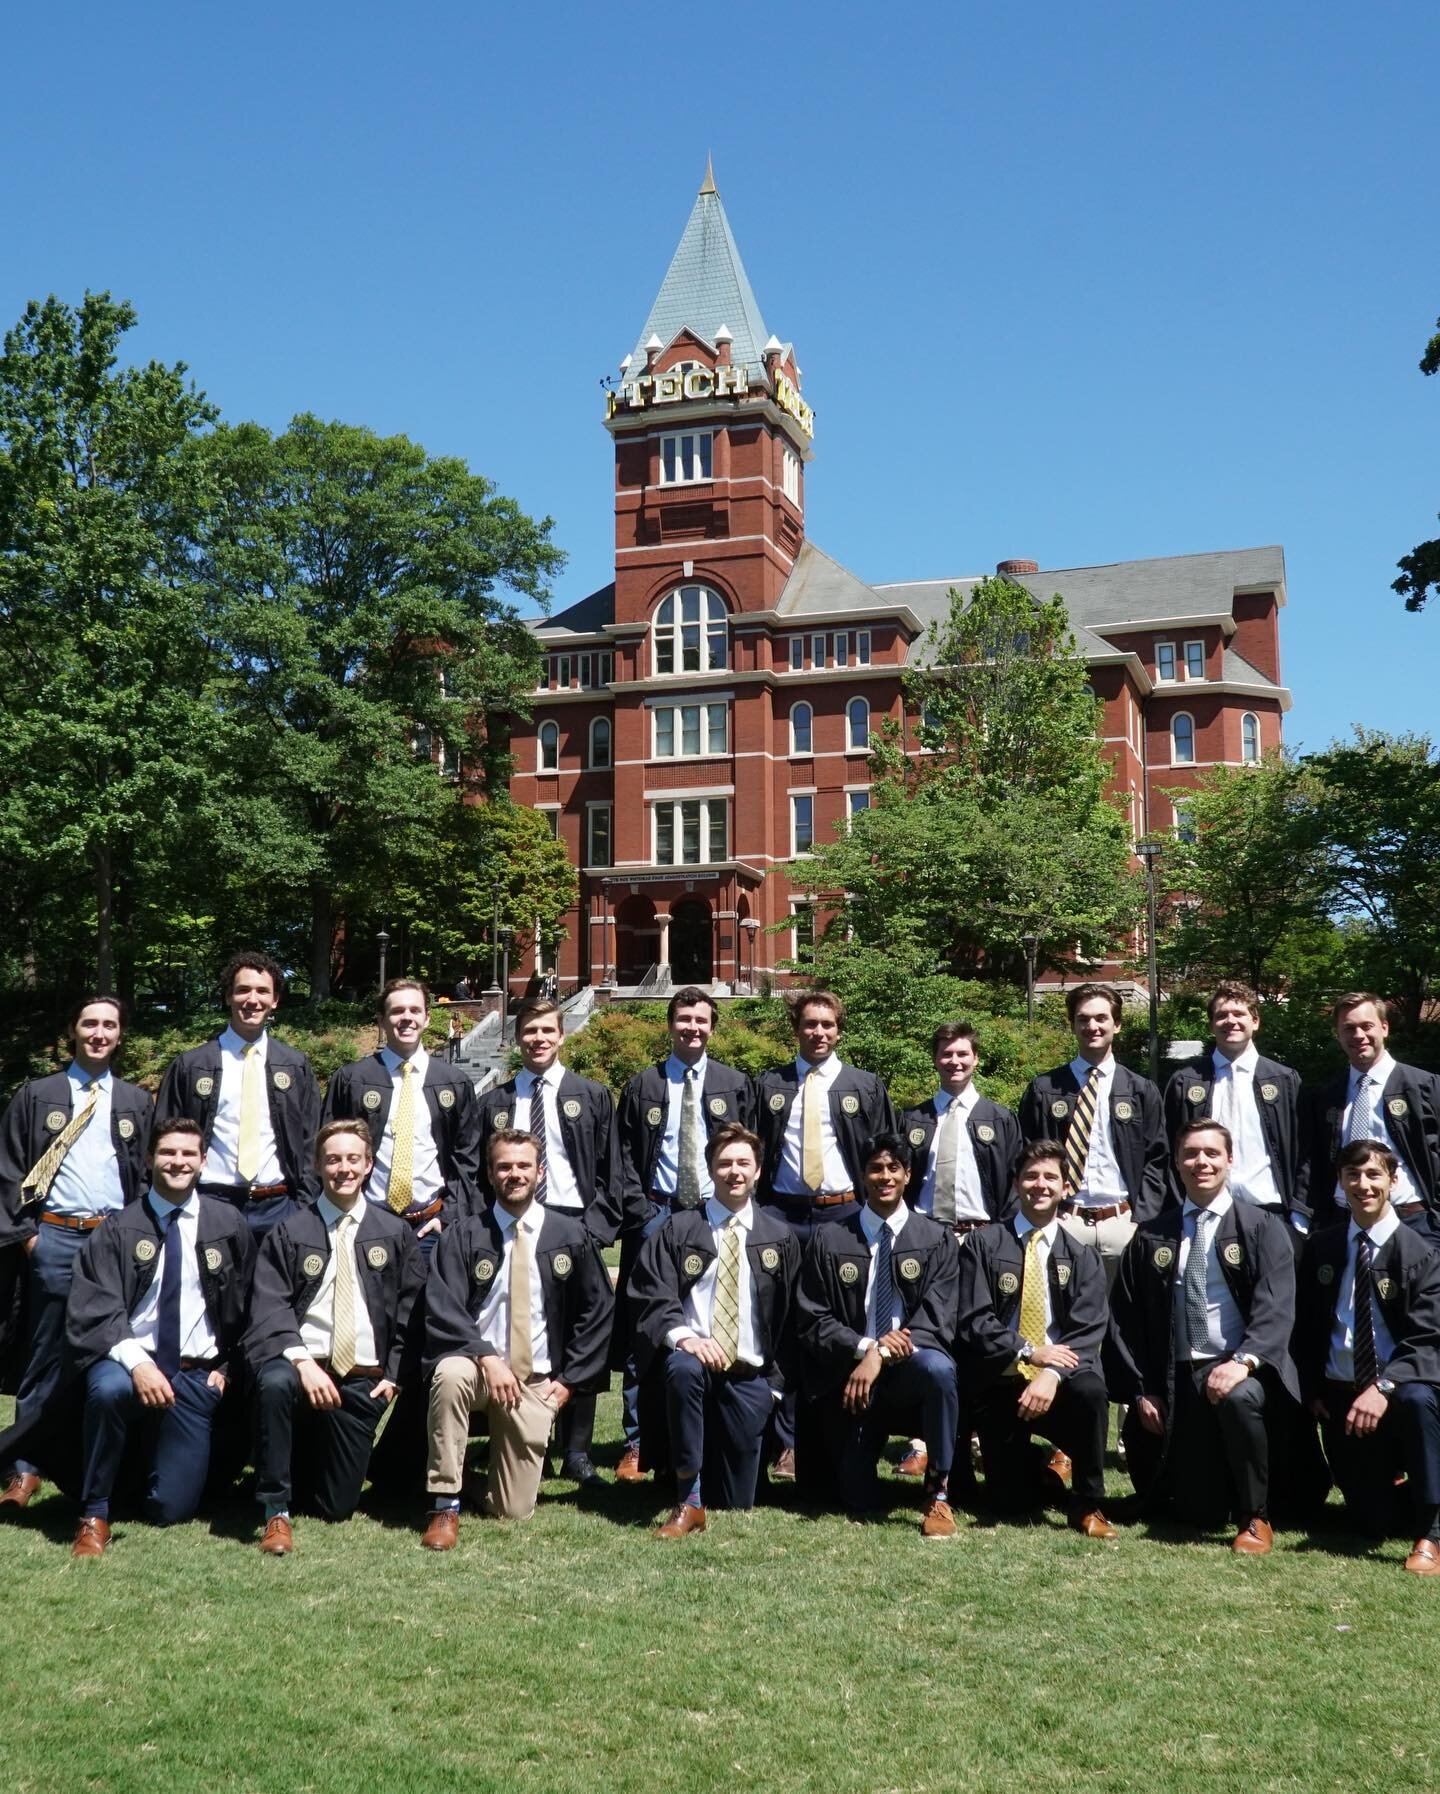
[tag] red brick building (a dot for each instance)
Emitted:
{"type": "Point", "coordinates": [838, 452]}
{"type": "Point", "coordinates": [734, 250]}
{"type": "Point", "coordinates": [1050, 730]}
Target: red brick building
{"type": "Point", "coordinates": [706, 715]}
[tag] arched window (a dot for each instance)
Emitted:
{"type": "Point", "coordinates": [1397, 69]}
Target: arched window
{"type": "Point", "coordinates": [1182, 740]}
{"type": "Point", "coordinates": [549, 747]}
{"type": "Point", "coordinates": [802, 722]}
{"type": "Point", "coordinates": [600, 741]}
{"type": "Point", "coordinates": [1249, 736]}
{"type": "Point", "coordinates": [692, 632]}
{"type": "Point", "coordinates": [857, 725]}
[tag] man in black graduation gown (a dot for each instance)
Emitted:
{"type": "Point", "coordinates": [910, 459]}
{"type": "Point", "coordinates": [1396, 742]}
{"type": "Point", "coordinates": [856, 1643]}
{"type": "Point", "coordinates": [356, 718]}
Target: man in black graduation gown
{"type": "Point", "coordinates": [814, 1118]}
{"type": "Point", "coordinates": [1367, 1345]}
{"type": "Point", "coordinates": [1032, 1319]}
{"type": "Point", "coordinates": [335, 1287]}
{"type": "Point", "coordinates": [255, 1098]}
{"type": "Point", "coordinates": [573, 1121]}
{"type": "Point", "coordinates": [666, 1116]}
{"type": "Point", "coordinates": [1258, 1099]}
{"type": "Point", "coordinates": [712, 1295]}
{"type": "Point", "coordinates": [517, 1327]}
{"type": "Point", "coordinates": [1199, 1346]}
{"type": "Point", "coordinates": [72, 1150]}
{"type": "Point", "coordinates": [876, 1313]}
{"type": "Point", "coordinates": [1377, 1098]}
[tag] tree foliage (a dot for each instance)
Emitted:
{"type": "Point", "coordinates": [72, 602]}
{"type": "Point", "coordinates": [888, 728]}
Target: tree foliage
{"type": "Point", "coordinates": [1420, 569]}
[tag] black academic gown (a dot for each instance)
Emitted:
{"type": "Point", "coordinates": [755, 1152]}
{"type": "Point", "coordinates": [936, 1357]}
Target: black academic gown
{"type": "Point", "coordinates": [1137, 1130]}
{"type": "Point", "coordinates": [860, 1108]}
{"type": "Point", "coordinates": [992, 1275]}
{"type": "Point", "coordinates": [726, 1096]}
{"type": "Point", "coordinates": [1190, 1093]}
{"type": "Point", "coordinates": [1411, 1102]}
{"type": "Point", "coordinates": [1406, 1279]}
{"type": "Point", "coordinates": [995, 1139]}
{"type": "Point", "coordinates": [191, 1087]}
{"type": "Point", "coordinates": [363, 1091]}
{"type": "Point", "coordinates": [592, 1147]}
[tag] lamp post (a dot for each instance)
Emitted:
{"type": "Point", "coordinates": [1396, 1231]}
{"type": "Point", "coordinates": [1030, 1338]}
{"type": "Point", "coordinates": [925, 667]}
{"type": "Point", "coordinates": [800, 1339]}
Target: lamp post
{"type": "Point", "coordinates": [1149, 852]}
{"type": "Point", "coordinates": [382, 940]}
{"type": "Point", "coordinates": [503, 934]}
{"type": "Point", "coordinates": [494, 990]}
{"type": "Point", "coordinates": [751, 925]}
{"type": "Point", "coordinates": [1029, 942]}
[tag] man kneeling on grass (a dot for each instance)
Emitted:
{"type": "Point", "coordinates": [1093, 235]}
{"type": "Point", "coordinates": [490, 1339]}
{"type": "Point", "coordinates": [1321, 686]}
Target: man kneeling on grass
{"type": "Point", "coordinates": [712, 1295]}
{"type": "Point", "coordinates": [518, 1318]}
{"type": "Point", "coordinates": [877, 1309]}
{"type": "Point", "coordinates": [1032, 1318]}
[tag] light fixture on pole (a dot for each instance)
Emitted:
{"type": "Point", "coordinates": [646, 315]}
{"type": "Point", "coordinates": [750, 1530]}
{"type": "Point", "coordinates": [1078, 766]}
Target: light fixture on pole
{"type": "Point", "coordinates": [751, 925]}
{"type": "Point", "coordinates": [494, 990]}
{"type": "Point", "coordinates": [1030, 942]}
{"type": "Point", "coordinates": [1149, 853]}
{"type": "Point", "coordinates": [382, 940]}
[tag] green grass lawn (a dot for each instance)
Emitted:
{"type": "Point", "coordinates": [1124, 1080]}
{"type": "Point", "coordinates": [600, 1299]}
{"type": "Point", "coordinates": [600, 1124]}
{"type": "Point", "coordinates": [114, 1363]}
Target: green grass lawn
{"type": "Point", "coordinates": [776, 1651]}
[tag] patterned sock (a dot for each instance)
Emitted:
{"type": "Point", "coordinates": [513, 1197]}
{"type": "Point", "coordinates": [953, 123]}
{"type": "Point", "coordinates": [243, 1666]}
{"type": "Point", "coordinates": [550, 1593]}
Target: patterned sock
{"type": "Point", "coordinates": [446, 1504]}
{"type": "Point", "coordinates": [691, 1486]}
{"type": "Point", "coordinates": [96, 1510]}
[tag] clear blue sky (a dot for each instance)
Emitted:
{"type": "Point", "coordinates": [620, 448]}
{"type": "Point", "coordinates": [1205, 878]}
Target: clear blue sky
{"type": "Point", "coordinates": [1078, 283]}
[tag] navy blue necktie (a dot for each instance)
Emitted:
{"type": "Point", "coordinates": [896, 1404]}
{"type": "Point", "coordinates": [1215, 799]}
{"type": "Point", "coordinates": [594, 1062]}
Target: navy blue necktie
{"type": "Point", "coordinates": [167, 1326]}
{"type": "Point", "coordinates": [884, 1285]}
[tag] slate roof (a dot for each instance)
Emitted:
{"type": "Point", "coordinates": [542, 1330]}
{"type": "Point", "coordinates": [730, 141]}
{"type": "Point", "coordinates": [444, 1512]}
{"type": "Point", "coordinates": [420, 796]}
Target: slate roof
{"type": "Point", "coordinates": [588, 616]}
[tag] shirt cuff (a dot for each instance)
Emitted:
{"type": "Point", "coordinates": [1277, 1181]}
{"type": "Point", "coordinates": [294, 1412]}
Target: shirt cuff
{"type": "Point", "coordinates": [862, 1346]}
{"type": "Point", "coordinates": [127, 1353]}
{"type": "Point", "coordinates": [676, 1334]}
{"type": "Point", "coordinates": [1301, 1223]}
{"type": "Point", "coordinates": [296, 1353]}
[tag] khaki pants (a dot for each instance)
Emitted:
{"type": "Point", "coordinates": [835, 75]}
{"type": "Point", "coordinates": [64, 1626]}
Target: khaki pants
{"type": "Point", "coordinates": [1109, 1238]}
{"type": "Point", "coordinates": [518, 1437]}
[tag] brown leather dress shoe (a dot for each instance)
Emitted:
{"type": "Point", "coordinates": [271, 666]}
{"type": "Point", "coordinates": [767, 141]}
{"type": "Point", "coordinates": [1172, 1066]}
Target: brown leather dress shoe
{"type": "Point", "coordinates": [628, 1469]}
{"type": "Point", "coordinates": [278, 1540]}
{"type": "Point", "coordinates": [1424, 1560]}
{"type": "Point", "coordinates": [1093, 1525]}
{"type": "Point", "coordinates": [20, 1489]}
{"type": "Point", "coordinates": [443, 1531]}
{"type": "Point", "coordinates": [1060, 1465]}
{"type": "Point", "coordinates": [1254, 1538]}
{"type": "Point", "coordinates": [683, 1519]}
{"type": "Point", "coordinates": [914, 1463]}
{"type": "Point", "coordinates": [783, 1469]}
{"type": "Point", "coordinates": [91, 1537]}
{"type": "Point", "coordinates": [938, 1521]}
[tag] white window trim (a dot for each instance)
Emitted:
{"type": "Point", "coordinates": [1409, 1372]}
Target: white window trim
{"type": "Point", "coordinates": [1185, 648]}
{"type": "Point", "coordinates": [799, 753]}
{"type": "Point", "coordinates": [1251, 716]}
{"type": "Point", "coordinates": [851, 746]}
{"type": "Point", "coordinates": [677, 437]}
{"type": "Point", "coordinates": [797, 904]}
{"type": "Point", "coordinates": [589, 843]}
{"type": "Point", "coordinates": [591, 763]}
{"type": "Point", "coordinates": [540, 765]}
{"type": "Point", "coordinates": [704, 752]}
{"type": "Point", "coordinates": [1191, 720]}
{"type": "Point", "coordinates": [1175, 661]}
{"type": "Point", "coordinates": [796, 851]}
{"type": "Point", "coordinates": [862, 647]}
{"type": "Point", "coordinates": [675, 631]}
{"type": "Point", "coordinates": [672, 802]}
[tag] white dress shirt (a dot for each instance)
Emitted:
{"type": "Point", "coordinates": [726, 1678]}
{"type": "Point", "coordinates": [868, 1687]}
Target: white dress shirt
{"type": "Point", "coordinates": [494, 1318]}
{"type": "Point", "coordinates": [969, 1193]}
{"type": "Point", "coordinates": [1341, 1363]}
{"type": "Point", "coordinates": [317, 1329]}
{"type": "Point", "coordinates": [1227, 1324]}
{"type": "Point", "coordinates": [221, 1156]}
{"type": "Point", "coordinates": [562, 1190]}
{"type": "Point", "coordinates": [1404, 1191]}
{"type": "Point", "coordinates": [700, 1302]}
{"type": "Point", "coordinates": [1235, 1104]}
{"type": "Point", "coordinates": [1102, 1185]}
{"type": "Point", "coordinates": [426, 1182]}
{"type": "Point", "coordinates": [668, 1164]}
{"type": "Point", "coordinates": [88, 1180]}
{"type": "Point", "coordinates": [870, 1226]}
{"type": "Point", "coordinates": [1046, 1238]}
{"type": "Point", "coordinates": [790, 1176]}
{"type": "Point", "coordinates": [197, 1340]}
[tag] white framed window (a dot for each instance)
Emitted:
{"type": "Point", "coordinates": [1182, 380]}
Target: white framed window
{"type": "Point", "coordinates": [600, 741]}
{"type": "Point", "coordinates": [551, 813]}
{"type": "Point", "coordinates": [692, 631]}
{"type": "Point", "coordinates": [802, 822]}
{"type": "Point", "coordinates": [1184, 824]}
{"type": "Point", "coordinates": [598, 836]}
{"type": "Point", "coordinates": [802, 929]}
{"type": "Point", "coordinates": [817, 652]}
{"type": "Point", "coordinates": [1194, 660]}
{"type": "Point", "coordinates": [687, 457]}
{"type": "Point", "coordinates": [1182, 739]}
{"type": "Point", "coordinates": [862, 647]}
{"type": "Point", "coordinates": [790, 475]}
{"type": "Point", "coordinates": [1165, 662]}
{"type": "Point", "coordinates": [1249, 737]}
{"type": "Point", "coordinates": [688, 731]}
{"type": "Point", "coordinates": [604, 668]}
{"type": "Point", "coordinates": [549, 747]}
{"type": "Point", "coordinates": [857, 725]}
{"type": "Point", "coordinates": [692, 832]}
{"type": "Point", "coordinates": [840, 648]}
{"type": "Point", "coordinates": [856, 802]}
{"type": "Point", "coordinates": [797, 653]}
{"type": "Point", "coordinates": [802, 729]}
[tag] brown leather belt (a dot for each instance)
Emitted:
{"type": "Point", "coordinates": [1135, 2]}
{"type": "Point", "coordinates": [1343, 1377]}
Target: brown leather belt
{"type": "Point", "coordinates": [419, 1216]}
{"type": "Point", "coordinates": [829, 1199]}
{"type": "Point", "coordinates": [1097, 1214]}
{"type": "Point", "coordinates": [357, 1370]}
{"type": "Point", "coordinates": [74, 1223]}
{"type": "Point", "coordinates": [967, 1226]}
{"type": "Point", "coordinates": [263, 1192]}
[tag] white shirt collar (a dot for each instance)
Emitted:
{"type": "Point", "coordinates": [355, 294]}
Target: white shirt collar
{"type": "Point", "coordinates": [1218, 1206]}
{"type": "Point", "coordinates": [77, 1074]}
{"type": "Point", "coordinates": [332, 1214]}
{"type": "Point", "coordinates": [829, 1069]}
{"type": "Point", "coordinates": [551, 1075]}
{"type": "Point", "coordinates": [162, 1205]}
{"type": "Point", "coordinates": [392, 1061]}
{"type": "Point", "coordinates": [1046, 1233]}
{"type": "Point", "coordinates": [231, 1042]}
{"type": "Point", "coordinates": [675, 1068]}
{"type": "Point", "coordinates": [1245, 1061]}
{"type": "Point", "coordinates": [1081, 1068]}
{"type": "Point", "coordinates": [530, 1221]}
{"type": "Point", "coordinates": [718, 1215]}
{"type": "Point", "coordinates": [1388, 1223]}
{"type": "Point", "coordinates": [871, 1223]}
{"type": "Point", "coordinates": [1380, 1071]}
{"type": "Point", "coordinates": [966, 1100]}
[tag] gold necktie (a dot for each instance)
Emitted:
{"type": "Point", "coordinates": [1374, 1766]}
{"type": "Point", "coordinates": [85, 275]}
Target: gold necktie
{"type": "Point", "coordinates": [812, 1141]}
{"type": "Point", "coordinates": [1032, 1303]}
{"type": "Point", "coordinates": [522, 1353]}
{"type": "Point", "coordinates": [38, 1179]}
{"type": "Point", "coordinates": [400, 1190]}
{"type": "Point", "coordinates": [342, 1330]}
{"type": "Point", "coordinates": [252, 1094]}
{"type": "Point", "coordinates": [725, 1316]}
{"type": "Point", "coordinates": [1077, 1137]}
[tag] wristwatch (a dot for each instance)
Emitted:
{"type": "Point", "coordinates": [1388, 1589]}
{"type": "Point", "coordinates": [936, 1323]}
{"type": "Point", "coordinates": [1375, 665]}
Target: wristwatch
{"type": "Point", "coordinates": [1026, 1352]}
{"type": "Point", "coordinates": [1385, 1386]}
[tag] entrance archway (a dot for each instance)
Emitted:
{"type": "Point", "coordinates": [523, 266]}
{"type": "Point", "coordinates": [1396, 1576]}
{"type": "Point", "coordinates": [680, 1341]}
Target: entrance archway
{"type": "Point", "coordinates": [692, 941]}
{"type": "Point", "coordinates": [637, 939]}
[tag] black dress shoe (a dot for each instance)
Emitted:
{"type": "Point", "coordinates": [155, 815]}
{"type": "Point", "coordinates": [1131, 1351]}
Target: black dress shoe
{"type": "Point", "coordinates": [580, 1470]}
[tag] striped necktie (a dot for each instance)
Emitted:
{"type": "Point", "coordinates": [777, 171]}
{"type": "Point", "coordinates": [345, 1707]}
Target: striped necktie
{"type": "Point", "coordinates": [1367, 1364]}
{"type": "Point", "coordinates": [41, 1175]}
{"type": "Point", "coordinates": [1077, 1139]}
{"type": "Point", "coordinates": [725, 1317]}
{"type": "Point", "coordinates": [539, 1130]}
{"type": "Point", "coordinates": [885, 1283]}
{"type": "Point", "coordinates": [1197, 1281]}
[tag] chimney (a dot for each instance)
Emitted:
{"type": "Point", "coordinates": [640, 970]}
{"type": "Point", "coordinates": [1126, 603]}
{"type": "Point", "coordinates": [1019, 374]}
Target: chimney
{"type": "Point", "coordinates": [1015, 569]}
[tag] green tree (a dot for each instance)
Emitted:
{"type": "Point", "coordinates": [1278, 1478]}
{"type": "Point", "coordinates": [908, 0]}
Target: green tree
{"type": "Point", "coordinates": [361, 596]}
{"type": "Point", "coordinates": [1420, 569]}
{"type": "Point", "coordinates": [102, 656]}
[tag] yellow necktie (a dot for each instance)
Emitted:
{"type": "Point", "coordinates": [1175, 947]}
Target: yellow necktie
{"type": "Point", "coordinates": [400, 1190]}
{"type": "Point", "coordinates": [725, 1316]}
{"type": "Point", "coordinates": [342, 1331]}
{"type": "Point", "coordinates": [522, 1354]}
{"type": "Point", "coordinates": [1032, 1303]}
{"type": "Point", "coordinates": [38, 1179]}
{"type": "Point", "coordinates": [812, 1141]}
{"type": "Point", "coordinates": [252, 1094]}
